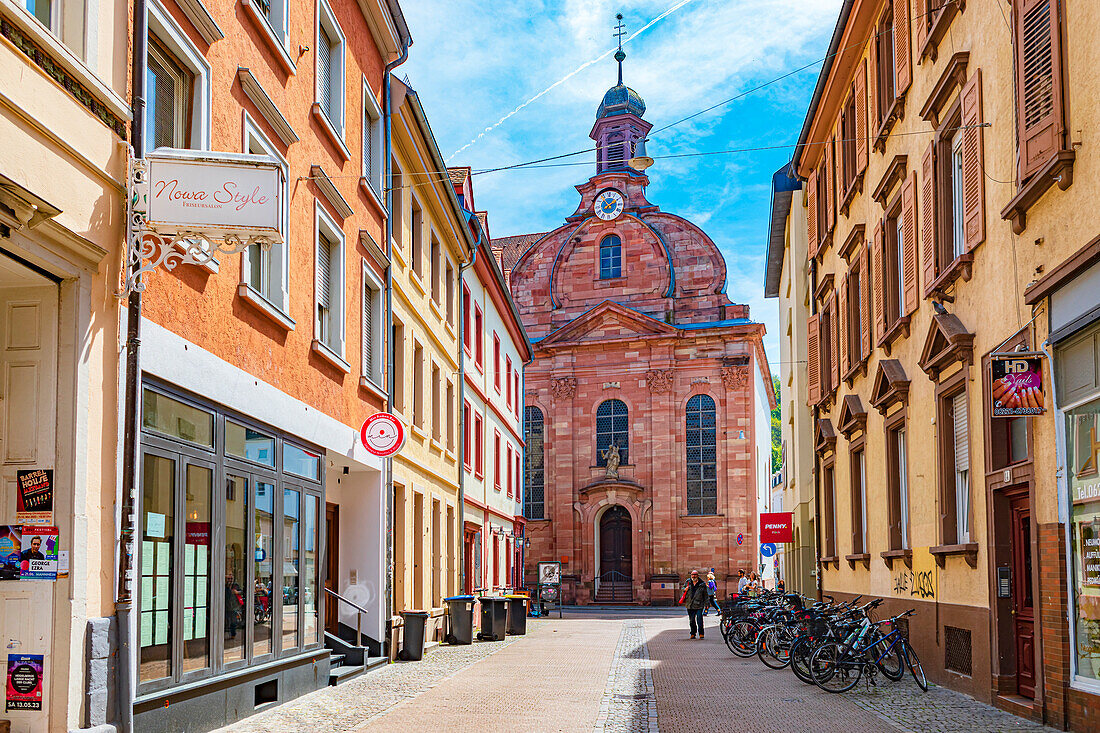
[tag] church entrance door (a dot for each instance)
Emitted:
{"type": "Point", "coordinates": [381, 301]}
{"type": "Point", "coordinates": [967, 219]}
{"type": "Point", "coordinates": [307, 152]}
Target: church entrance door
{"type": "Point", "coordinates": [615, 582]}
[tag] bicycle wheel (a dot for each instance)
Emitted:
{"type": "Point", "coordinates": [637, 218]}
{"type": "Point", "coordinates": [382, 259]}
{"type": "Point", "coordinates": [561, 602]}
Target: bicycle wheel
{"type": "Point", "coordinates": [915, 668]}
{"type": "Point", "coordinates": [834, 670]}
{"type": "Point", "coordinates": [742, 638]}
{"type": "Point", "coordinates": [891, 665]}
{"type": "Point", "coordinates": [773, 647]}
{"type": "Point", "coordinates": [801, 650]}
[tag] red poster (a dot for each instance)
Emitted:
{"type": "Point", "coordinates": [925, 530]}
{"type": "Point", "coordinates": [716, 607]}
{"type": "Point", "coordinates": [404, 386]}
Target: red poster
{"type": "Point", "coordinates": [777, 527]}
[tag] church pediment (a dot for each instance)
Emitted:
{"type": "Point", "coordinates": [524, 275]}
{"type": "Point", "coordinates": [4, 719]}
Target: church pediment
{"type": "Point", "coordinates": [608, 321]}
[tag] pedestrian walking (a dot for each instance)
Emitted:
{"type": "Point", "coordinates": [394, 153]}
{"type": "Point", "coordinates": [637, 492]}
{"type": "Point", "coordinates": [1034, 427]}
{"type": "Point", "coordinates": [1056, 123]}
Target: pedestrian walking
{"type": "Point", "coordinates": [695, 598]}
{"type": "Point", "coordinates": [712, 591]}
{"type": "Point", "coordinates": [742, 582]}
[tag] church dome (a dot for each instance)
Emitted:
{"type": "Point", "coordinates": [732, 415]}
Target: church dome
{"type": "Point", "coordinates": [620, 99]}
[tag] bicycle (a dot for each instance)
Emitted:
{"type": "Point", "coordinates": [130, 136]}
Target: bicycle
{"type": "Point", "coordinates": [839, 666]}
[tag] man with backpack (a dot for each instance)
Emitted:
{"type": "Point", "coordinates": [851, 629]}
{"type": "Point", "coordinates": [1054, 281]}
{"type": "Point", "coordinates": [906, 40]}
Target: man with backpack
{"type": "Point", "coordinates": [695, 599]}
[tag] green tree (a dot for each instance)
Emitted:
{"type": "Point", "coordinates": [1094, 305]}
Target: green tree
{"type": "Point", "coordinates": [777, 435]}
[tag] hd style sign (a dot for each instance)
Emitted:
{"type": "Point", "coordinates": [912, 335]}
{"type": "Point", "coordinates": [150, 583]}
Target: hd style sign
{"type": "Point", "coordinates": [1017, 383]}
{"type": "Point", "coordinates": [214, 194]}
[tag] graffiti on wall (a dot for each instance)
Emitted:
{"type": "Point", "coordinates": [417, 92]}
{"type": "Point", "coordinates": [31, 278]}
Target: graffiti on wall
{"type": "Point", "coordinates": [918, 582]}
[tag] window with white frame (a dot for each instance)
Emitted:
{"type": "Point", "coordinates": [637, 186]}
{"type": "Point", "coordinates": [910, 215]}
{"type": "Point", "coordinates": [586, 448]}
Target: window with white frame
{"type": "Point", "coordinates": [330, 67]}
{"type": "Point", "coordinates": [274, 11]}
{"type": "Point", "coordinates": [177, 93]}
{"type": "Point", "coordinates": [265, 270]}
{"type": "Point", "coordinates": [44, 11]}
{"type": "Point", "coordinates": [961, 441]}
{"type": "Point", "coordinates": [372, 141]}
{"type": "Point", "coordinates": [329, 306]}
{"type": "Point", "coordinates": [372, 327]}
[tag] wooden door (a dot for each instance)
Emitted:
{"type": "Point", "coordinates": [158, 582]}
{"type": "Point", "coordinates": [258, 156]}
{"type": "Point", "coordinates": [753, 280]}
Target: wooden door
{"type": "Point", "coordinates": [615, 545]}
{"type": "Point", "coordinates": [28, 420]}
{"type": "Point", "coordinates": [332, 567]}
{"type": "Point", "coordinates": [1023, 601]}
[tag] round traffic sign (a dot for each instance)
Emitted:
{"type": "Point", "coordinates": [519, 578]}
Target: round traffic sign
{"type": "Point", "coordinates": [767, 549]}
{"type": "Point", "coordinates": [383, 434]}
{"type": "Point", "coordinates": [740, 538]}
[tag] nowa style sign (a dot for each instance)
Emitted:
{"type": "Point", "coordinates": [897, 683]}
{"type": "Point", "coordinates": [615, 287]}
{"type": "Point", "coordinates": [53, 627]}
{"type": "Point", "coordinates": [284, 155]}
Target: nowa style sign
{"type": "Point", "coordinates": [232, 193]}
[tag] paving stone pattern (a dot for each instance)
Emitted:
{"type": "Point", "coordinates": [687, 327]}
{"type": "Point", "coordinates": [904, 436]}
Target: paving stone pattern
{"type": "Point", "coordinates": [628, 701]}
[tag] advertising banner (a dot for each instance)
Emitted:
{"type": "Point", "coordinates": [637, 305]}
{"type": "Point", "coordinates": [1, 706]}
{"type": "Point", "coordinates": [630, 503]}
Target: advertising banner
{"type": "Point", "coordinates": [38, 560]}
{"type": "Point", "coordinates": [34, 499]}
{"type": "Point", "coordinates": [24, 682]}
{"type": "Point", "coordinates": [1017, 382]}
{"type": "Point", "coordinates": [777, 527]}
{"type": "Point", "coordinates": [10, 547]}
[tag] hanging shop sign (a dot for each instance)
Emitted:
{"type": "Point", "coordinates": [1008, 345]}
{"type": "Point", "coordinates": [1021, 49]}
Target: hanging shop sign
{"type": "Point", "coordinates": [777, 527]}
{"type": "Point", "coordinates": [189, 206]}
{"type": "Point", "coordinates": [34, 498]}
{"type": "Point", "coordinates": [1017, 383]}
{"type": "Point", "coordinates": [383, 435]}
{"type": "Point", "coordinates": [24, 682]}
{"type": "Point", "coordinates": [213, 195]}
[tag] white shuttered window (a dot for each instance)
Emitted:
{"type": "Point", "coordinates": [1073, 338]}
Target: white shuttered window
{"type": "Point", "coordinates": [962, 468]}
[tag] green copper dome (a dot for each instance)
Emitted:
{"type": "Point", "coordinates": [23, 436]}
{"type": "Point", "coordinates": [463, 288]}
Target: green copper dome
{"type": "Point", "coordinates": [620, 99]}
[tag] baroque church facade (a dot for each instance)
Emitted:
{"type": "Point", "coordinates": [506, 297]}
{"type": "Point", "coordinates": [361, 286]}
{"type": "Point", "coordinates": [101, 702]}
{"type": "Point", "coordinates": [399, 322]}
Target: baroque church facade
{"type": "Point", "coordinates": [647, 403]}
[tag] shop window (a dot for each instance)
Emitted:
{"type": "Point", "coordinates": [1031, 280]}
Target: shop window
{"type": "Point", "coordinates": [288, 639]}
{"type": "Point", "coordinates": [245, 442]}
{"type": "Point", "coordinates": [612, 428]}
{"type": "Point", "coordinates": [534, 476]}
{"type": "Point", "coordinates": [1083, 458]}
{"type": "Point", "coordinates": [264, 570]}
{"type": "Point", "coordinates": [702, 457]}
{"type": "Point", "coordinates": [236, 567]}
{"type": "Point", "coordinates": [155, 659]}
{"type": "Point", "coordinates": [330, 68]}
{"type": "Point", "coordinates": [176, 419]}
{"type": "Point", "coordinates": [311, 629]}
{"type": "Point", "coordinates": [300, 462]}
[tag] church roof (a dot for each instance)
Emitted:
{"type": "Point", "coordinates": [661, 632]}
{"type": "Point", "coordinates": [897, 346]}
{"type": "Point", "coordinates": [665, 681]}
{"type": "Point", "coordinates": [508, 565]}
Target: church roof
{"type": "Point", "coordinates": [513, 247]}
{"type": "Point", "coordinates": [618, 100]}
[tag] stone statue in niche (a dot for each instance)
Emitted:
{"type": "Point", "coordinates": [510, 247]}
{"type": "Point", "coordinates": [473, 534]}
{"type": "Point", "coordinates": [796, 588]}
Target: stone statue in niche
{"type": "Point", "coordinates": [611, 455]}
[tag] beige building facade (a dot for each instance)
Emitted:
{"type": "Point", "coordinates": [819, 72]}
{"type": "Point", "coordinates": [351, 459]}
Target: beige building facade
{"type": "Point", "coordinates": [948, 187]}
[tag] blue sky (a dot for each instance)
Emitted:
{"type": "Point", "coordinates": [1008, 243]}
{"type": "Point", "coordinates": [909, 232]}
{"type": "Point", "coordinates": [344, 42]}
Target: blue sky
{"type": "Point", "coordinates": [473, 63]}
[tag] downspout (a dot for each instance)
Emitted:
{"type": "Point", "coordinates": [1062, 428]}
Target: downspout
{"type": "Point", "coordinates": [462, 408]}
{"type": "Point", "coordinates": [387, 482]}
{"type": "Point", "coordinates": [130, 436]}
{"type": "Point", "coordinates": [817, 464]}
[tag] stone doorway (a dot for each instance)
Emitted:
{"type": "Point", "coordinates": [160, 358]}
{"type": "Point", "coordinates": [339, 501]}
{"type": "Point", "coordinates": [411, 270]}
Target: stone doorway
{"type": "Point", "coordinates": [615, 579]}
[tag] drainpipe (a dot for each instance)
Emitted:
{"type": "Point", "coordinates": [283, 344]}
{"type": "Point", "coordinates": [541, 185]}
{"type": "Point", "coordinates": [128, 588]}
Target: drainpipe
{"type": "Point", "coordinates": [462, 407]}
{"type": "Point", "coordinates": [387, 482]}
{"type": "Point", "coordinates": [132, 408]}
{"type": "Point", "coordinates": [819, 515]}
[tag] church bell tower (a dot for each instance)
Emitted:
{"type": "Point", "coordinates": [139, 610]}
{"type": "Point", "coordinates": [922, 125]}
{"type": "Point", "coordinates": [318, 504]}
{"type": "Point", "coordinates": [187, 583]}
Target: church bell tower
{"type": "Point", "coordinates": [619, 125]}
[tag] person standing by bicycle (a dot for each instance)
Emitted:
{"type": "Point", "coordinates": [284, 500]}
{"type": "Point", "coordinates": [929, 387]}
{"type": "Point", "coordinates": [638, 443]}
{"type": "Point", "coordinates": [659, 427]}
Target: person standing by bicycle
{"type": "Point", "coordinates": [742, 582]}
{"type": "Point", "coordinates": [695, 599]}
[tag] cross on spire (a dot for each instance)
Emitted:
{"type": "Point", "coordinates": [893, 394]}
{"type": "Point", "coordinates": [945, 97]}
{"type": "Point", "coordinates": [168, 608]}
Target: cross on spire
{"type": "Point", "coordinates": [620, 55]}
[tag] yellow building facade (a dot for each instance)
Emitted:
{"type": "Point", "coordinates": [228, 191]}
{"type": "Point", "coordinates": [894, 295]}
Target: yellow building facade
{"type": "Point", "coordinates": [946, 189]}
{"type": "Point", "coordinates": [432, 240]}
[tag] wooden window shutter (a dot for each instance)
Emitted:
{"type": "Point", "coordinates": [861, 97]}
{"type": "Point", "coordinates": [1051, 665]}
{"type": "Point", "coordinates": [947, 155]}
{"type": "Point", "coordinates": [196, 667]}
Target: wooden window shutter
{"type": "Point", "coordinates": [811, 214]}
{"type": "Point", "coordinates": [843, 326]}
{"type": "Point", "coordinates": [865, 302]}
{"type": "Point", "coordinates": [861, 119]}
{"type": "Point", "coordinates": [928, 218]}
{"type": "Point", "coordinates": [903, 59]}
{"type": "Point", "coordinates": [878, 251]}
{"type": "Point", "coordinates": [834, 343]}
{"type": "Point", "coordinates": [872, 89]}
{"type": "Point", "coordinates": [813, 359]}
{"type": "Point", "coordinates": [921, 11]}
{"type": "Point", "coordinates": [973, 163]}
{"type": "Point", "coordinates": [909, 242]}
{"type": "Point", "coordinates": [1038, 83]}
{"type": "Point", "coordinates": [830, 187]}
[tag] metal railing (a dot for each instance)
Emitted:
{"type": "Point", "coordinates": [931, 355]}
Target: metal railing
{"type": "Point", "coordinates": [358, 615]}
{"type": "Point", "coordinates": [619, 586]}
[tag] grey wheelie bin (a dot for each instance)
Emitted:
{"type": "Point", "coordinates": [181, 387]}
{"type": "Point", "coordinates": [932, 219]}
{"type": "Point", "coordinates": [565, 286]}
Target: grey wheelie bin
{"type": "Point", "coordinates": [412, 642]}
{"type": "Point", "coordinates": [460, 627]}
{"type": "Point", "coordinates": [494, 618]}
{"type": "Point", "coordinates": [517, 615]}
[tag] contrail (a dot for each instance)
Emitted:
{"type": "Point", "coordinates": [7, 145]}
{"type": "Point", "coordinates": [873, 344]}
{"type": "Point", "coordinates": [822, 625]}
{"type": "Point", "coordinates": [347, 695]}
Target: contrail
{"type": "Point", "coordinates": [570, 75]}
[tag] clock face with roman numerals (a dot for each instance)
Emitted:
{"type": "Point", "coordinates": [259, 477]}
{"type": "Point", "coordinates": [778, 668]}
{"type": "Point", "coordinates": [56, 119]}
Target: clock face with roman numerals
{"type": "Point", "coordinates": [608, 205]}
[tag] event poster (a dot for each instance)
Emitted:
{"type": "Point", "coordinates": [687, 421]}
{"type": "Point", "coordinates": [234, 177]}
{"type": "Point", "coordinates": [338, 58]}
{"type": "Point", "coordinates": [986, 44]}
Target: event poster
{"type": "Point", "coordinates": [1017, 381]}
{"type": "Point", "coordinates": [38, 560]}
{"type": "Point", "coordinates": [10, 545]}
{"type": "Point", "coordinates": [35, 496]}
{"type": "Point", "coordinates": [24, 682]}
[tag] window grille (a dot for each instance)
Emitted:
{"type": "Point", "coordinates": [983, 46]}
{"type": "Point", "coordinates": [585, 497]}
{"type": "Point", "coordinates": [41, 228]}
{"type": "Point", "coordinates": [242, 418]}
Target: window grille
{"type": "Point", "coordinates": [534, 505]}
{"type": "Point", "coordinates": [957, 650]}
{"type": "Point", "coordinates": [702, 458]}
{"type": "Point", "coordinates": [612, 424]}
{"type": "Point", "coordinates": [611, 257]}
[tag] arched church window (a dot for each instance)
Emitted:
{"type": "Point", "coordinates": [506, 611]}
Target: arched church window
{"type": "Point", "coordinates": [534, 495]}
{"type": "Point", "coordinates": [611, 257]}
{"type": "Point", "coordinates": [702, 460]}
{"type": "Point", "coordinates": [612, 423]}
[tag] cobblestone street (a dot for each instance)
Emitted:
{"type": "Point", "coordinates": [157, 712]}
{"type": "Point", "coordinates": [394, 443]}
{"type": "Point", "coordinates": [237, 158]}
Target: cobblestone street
{"type": "Point", "coordinates": [616, 670]}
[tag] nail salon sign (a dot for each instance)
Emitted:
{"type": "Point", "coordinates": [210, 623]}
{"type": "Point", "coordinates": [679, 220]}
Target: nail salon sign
{"type": "Point", "coordinates": [214, 193]}
{"type": "Point", "coordinates": [1017, 384]}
